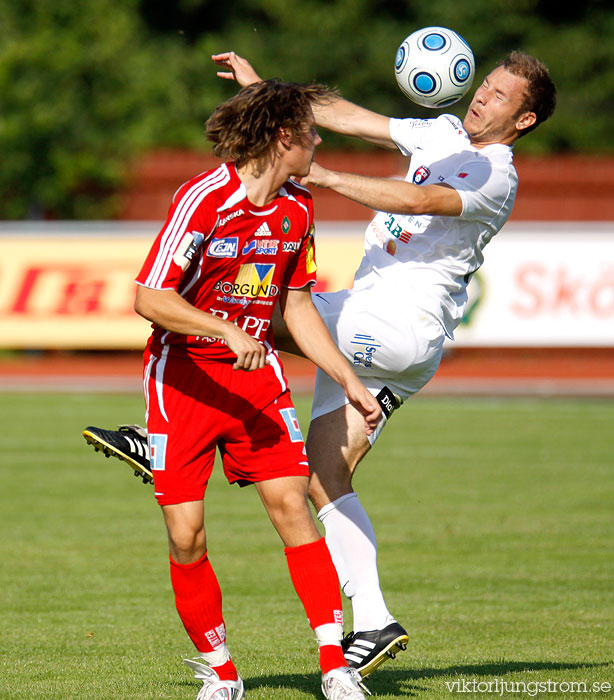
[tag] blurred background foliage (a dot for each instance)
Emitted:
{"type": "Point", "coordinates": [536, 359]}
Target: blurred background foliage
{"type": "Point", "coordinates": [85, 87]}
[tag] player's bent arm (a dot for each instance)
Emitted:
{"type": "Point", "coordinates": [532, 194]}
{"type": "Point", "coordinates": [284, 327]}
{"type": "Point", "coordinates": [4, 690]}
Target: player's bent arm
{"type": "Point", "coordinates": [315, 342]}
{"type": "Point", "coordinates": [169, 310]}
{"type": "Point", "coordinates": [393, 196]}
{"type": "Point", "coordinates": [344, 117]}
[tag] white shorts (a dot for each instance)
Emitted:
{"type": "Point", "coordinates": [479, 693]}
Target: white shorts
{"type": "Point", "coordinates": [383, 351]}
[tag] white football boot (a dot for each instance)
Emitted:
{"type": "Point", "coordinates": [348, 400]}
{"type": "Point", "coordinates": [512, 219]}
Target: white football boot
{"type": "Point", "coordinates": [342, 683]}
{"type": "Point", "coordinates": [214, 688]}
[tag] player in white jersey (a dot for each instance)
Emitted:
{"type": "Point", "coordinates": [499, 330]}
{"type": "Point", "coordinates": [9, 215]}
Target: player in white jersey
{"type": "Point", "coordinates": [409, 292]}
{"type": "Point", "coordinates": [410, 289]}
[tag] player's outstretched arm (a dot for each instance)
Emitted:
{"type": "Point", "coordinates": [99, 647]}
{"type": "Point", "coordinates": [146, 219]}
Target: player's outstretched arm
{"type": "Point", "coordinates": [344, 117]}
{"type": "Point", "coordinates": [171, 311]}
{"type": "Point", "coordinates": [314, 340]}
{"type": "Point", "coordinates": [333, 112]}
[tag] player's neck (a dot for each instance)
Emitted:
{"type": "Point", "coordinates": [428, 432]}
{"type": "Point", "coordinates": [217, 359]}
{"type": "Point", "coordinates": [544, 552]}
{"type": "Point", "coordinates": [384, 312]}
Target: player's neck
{"type": "Point", "coordinates": [262, 183]}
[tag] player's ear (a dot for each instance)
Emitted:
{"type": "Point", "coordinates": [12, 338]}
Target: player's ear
{"type": "Point", "coordinates": [285, 137]}
{"type": "Point", "coordinates": [525, 120]}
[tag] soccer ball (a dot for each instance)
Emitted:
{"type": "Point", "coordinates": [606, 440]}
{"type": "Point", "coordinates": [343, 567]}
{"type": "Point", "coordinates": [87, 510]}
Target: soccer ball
{"type": "Point", "coordinates": [434, 67]}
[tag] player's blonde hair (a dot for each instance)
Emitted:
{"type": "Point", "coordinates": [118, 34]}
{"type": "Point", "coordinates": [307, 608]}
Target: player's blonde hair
{"type": "Point", "coordinates": [246, 127]}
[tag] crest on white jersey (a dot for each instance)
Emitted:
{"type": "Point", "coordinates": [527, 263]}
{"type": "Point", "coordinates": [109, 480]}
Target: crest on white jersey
{"type": "Point", "coordinates": [422, 173]}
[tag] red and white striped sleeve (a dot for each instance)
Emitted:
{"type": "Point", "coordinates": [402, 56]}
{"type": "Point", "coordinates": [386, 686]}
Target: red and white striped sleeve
{"type": "Point", "coordinates": [190, 221]}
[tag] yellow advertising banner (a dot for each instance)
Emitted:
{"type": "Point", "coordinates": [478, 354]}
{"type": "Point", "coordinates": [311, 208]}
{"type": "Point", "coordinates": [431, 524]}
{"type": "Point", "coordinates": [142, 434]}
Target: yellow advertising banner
{"type": "Point", "coordinates": [77, 291]}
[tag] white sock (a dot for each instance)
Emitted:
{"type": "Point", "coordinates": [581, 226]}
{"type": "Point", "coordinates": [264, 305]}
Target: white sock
{"type": "Point", "coordinates": [351, 540]}
{"type": "Point", "coordinates": [217, 657]}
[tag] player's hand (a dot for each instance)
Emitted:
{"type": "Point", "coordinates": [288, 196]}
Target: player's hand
{"type": "Point", "coordinates": [250, 353]}
{"type": "Point", "coordinates": [318, 176]}
{"type": "Point", "coordinates": [237, 68]}
{"type": "Point", "coordinates": [365, 403]}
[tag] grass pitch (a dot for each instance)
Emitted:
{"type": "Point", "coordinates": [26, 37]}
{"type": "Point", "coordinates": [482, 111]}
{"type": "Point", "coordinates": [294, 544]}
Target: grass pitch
{"type": "Point", "coordinates": [494, 520]}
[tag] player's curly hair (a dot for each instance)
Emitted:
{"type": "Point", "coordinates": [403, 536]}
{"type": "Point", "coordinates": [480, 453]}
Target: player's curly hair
{"type": "Point", "coordinates": [540, 97]}
{"type": "Point", "coordinates": [246, 127]}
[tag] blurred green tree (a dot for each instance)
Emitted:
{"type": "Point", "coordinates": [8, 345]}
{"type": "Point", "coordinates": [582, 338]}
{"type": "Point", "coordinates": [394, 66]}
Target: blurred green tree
{"type": "Point", "coordinates": [86, 87]}
{"type": "Point", "coordinates": [83, 88]}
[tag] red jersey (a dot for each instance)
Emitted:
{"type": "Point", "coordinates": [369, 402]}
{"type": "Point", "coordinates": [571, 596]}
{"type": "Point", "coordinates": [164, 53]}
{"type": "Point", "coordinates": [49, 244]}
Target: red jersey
{"type": "Point", "coordinates": [230, 258]}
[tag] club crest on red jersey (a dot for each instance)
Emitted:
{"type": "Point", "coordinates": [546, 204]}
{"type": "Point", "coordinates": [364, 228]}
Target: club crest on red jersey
{"type": "Point", "coordinates": [422, 173]}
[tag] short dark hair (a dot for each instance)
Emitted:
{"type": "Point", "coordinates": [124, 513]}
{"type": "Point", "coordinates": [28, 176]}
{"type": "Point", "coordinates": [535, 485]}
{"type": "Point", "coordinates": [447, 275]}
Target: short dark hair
{"type": "Point", "coordinates": [246, 127]}
{"type": "Point", "coordinates": [540, 96]}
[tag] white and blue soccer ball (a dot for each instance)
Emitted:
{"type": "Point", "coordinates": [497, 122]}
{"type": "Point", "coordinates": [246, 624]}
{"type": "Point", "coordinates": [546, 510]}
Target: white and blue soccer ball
{"type": "Point", "coordinates": [434, 67]}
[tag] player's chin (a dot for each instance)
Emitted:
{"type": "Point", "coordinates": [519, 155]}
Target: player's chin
{"type": "Point", "coordinates": [304, 171]}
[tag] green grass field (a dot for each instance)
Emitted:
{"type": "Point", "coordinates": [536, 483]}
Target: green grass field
{"type": "Point", "coordinates": [495, 529]}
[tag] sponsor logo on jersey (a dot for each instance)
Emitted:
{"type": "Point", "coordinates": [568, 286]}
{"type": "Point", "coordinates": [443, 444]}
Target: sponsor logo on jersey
{"type": "Point", "coordinates": [266, 246]}
{"type": "Point", "coordinates": [229, 217]}
{"type": "Point", "coordinates": [368, 347]}
{"type": "Point", "coordinates": [396, 230]}
{"type": "Point", "coordinates": [187, 249]}
{"type": "Point", "coordinates": [263, 230]}
{"type": "Point", "coordinates": [234, 300]}
{"type": "Point", "coordinates": [291, 246]}
{"type": "Point", "coordinates": [224, 247]}
{"type": "Point", "coordinates": [253, 325]}
{"type": "Point", "coordinates": [253, 280]}
{"type": "Point", "coordinates": [422, 173]}
{"type": "Point", "coordinates": [249, 246]}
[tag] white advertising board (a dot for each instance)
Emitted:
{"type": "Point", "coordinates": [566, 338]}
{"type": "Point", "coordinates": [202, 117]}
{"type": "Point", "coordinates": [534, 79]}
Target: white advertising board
{"type": "Point", "coordinates": [543, 285]}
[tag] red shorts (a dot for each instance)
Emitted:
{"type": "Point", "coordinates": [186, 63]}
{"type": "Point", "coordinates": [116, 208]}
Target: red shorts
{"type": "Point", "coordinates": [194, 408]}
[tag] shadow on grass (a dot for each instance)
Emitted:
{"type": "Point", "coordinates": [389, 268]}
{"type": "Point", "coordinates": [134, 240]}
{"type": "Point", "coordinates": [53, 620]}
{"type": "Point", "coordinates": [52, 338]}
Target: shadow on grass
{"type": "Point", "coordinates": [392, 682]}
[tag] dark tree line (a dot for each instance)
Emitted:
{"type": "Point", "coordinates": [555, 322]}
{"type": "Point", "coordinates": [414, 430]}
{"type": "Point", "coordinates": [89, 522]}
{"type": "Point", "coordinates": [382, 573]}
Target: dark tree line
{"type": "Point", "coordinates": [86, 87]}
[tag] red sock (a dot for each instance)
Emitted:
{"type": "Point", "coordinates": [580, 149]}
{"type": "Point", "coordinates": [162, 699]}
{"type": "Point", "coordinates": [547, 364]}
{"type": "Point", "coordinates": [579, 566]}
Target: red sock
{"type": "Point", "coordinates": [198, 599]}
{"type": "Point", "coordinates": [315, 580]}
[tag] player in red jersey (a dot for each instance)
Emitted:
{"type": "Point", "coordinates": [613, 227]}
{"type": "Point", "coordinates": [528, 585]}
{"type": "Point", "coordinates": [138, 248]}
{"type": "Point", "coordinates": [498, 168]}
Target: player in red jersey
{"type": "Point", "coordinates": [238, 240]}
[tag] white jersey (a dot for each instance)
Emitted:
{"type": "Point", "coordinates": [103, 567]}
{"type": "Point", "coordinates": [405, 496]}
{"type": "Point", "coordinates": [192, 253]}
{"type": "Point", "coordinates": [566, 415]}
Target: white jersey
{"type": "Point", "coordinates": [427, 261]}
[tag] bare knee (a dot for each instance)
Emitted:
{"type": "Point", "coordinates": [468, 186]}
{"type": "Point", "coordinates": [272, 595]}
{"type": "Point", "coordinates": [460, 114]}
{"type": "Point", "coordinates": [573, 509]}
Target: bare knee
{"type": "Point", "coordinates": [288, 506]}
{"type": "Point", "coordinates": [326, 486]}
{"type": "Point", "coordinates": [186, 545]}
{"type": "Point", "coordinates": [286, 503]}
{"type": "Point", "coordinates": [187, 540]}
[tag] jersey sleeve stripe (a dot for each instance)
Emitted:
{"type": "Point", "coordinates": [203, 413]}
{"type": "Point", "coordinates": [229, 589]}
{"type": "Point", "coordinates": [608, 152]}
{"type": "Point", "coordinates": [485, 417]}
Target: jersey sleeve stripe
{"type": "Point", "coordinates": [174, 230]}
